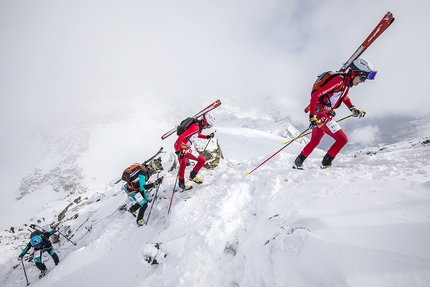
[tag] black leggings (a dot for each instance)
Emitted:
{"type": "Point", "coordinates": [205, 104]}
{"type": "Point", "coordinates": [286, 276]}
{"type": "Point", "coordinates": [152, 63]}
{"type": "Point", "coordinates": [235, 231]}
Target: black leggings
{"type": "Point", "coordinates": [42, 266]}
{"type": "Point", "coordinates": [142, 210]}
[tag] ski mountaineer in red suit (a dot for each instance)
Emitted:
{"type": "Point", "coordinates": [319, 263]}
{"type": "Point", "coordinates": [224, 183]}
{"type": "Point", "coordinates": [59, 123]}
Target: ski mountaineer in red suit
{"type": "Point", "coordinates": [183, 148]}
{"type": "Point", "coordinates": [321, 110]}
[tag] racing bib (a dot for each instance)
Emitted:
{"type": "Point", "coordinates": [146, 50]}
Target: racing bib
{"type": "Point", "coordinates": [333, 126]}
{"type": "Point", "coordinates": [138, 197]}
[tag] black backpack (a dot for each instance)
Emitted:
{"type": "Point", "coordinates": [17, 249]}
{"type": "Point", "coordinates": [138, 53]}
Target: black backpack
{"type": "Point", "coordinates": [185, 124]}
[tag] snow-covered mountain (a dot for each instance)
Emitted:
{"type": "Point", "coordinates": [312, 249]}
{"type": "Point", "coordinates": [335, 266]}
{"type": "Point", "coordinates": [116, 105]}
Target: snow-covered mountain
{"type": "Point", "coordinates": [364, 222]}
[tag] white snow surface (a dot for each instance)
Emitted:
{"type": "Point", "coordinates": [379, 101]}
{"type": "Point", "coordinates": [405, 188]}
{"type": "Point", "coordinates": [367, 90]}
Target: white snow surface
{"type": "Point", "coordinates": [365, 222]}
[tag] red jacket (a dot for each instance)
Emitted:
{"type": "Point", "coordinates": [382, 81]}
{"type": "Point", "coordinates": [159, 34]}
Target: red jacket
{"type": "Point", "coordinates": [331, 95]}
{"type": "Point", "coordinates": [186, 139]}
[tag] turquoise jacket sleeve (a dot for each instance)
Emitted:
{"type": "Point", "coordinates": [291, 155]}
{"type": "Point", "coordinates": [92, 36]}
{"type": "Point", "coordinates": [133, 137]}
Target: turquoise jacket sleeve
{"type": "Point", "coordinates": [25, 250]}
{"type": "Point", "coordinates": [142, 184]}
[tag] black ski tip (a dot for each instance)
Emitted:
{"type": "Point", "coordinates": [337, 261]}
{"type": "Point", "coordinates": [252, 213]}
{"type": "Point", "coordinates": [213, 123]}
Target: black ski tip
{"type": "Point", "coordinates": [392, 19]}
{"type": "Point", "coordinates": [276, 215]}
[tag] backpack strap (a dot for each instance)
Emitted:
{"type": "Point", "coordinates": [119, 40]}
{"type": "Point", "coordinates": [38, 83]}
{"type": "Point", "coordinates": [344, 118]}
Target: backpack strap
{"type": "Point", "coordinates": [131, 187]}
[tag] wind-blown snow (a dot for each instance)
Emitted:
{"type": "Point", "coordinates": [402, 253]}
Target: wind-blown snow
{"type": "Point", "coordinates": [365, 222]}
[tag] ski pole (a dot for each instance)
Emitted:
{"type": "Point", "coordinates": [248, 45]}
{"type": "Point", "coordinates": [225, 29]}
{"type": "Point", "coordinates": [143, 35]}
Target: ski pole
{"type": "Point", "coordinates": [288, 143]}
{"type": "Point", "coordinates": [74, 243]}
{"type": "Point", "coordinates": [209, 142]}
{"type": "Point", "coordinates": [344, 118]}
{"type": "Point", "coordinates": [300, 135]}
{"type": "Point", "coordinates": [155, 197]}
{"type": "Point", "coordinates": [319, 127]}
{"type": "Point", "coordinates": [308, 133]}
{"type": "Point", "coordinates": [25, 273]}
{"type": "Point", "coordinates": [173, 192]}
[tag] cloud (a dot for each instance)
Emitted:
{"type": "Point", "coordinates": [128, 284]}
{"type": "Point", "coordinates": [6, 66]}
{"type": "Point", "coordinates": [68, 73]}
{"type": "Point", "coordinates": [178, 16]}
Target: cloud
{"type": "Point", "coordinates": [56, 56]}
{"type": "Point", "coordinates": [365, 136]}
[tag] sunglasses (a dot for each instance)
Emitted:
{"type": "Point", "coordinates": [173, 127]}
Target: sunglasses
{"type": "Point", "coordinates": [370, 76]}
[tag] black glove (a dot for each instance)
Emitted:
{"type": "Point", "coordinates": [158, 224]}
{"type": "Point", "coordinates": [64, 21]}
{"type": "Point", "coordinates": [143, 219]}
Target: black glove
{"type": "Point", "coordinates": [180, 154]}
{"type": "Point", "coordinates": [313, 122]}
{"type": "Point", "coordinates": [356, 112]}
{"type": "Point", "coordinates": [211, 135]}
{"type": "Point", "coordinates": [158, 181]}
{"type": "Point", "coordinates": [20, 257]}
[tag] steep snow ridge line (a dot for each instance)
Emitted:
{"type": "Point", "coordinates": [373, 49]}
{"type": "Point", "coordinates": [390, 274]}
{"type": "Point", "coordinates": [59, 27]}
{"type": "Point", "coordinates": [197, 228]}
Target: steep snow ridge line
{"type": "Point", "coordinates": [367, 218]}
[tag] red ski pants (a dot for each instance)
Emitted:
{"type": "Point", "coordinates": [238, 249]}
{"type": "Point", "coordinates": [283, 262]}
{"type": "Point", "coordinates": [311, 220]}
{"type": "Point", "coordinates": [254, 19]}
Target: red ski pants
{"type": "Point", "coordinates": [317, 134]}
{"type": "Point", "coordinates": [193, 155]}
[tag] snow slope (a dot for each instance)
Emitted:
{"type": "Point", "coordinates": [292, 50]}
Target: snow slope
{"type": "Point", "coordinates": [365, 222]}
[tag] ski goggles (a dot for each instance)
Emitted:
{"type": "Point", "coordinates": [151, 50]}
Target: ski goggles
{"type": "Point", "coordinates": [369, 76]}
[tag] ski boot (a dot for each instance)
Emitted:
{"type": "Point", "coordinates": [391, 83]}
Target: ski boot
{"type": "Point", "coordinates": [326, 162]}
{"type": "Point", "coordinates": [298, 162]}
{"type": "Point", "coordinates": [183, 186]}
{"type": "Point", "coordinates": [194, 178]}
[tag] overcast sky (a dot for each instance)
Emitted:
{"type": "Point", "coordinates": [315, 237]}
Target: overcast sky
{"type": "Point", "coordinates": [57, 56]}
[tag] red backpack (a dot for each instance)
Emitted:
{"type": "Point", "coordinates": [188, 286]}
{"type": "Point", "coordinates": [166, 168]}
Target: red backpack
{"type": "Point", "coordinates": [323, 79]}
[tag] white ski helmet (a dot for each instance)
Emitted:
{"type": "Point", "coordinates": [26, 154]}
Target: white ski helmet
{"type": "Point", "coordinates": [209, 119]}
{"type": "Point", "coordinates": [362, 67]}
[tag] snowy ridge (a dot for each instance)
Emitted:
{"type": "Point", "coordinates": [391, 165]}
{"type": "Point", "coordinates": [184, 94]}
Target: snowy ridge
{"type": "Point", "coordinates": [412, 144]}
{"type": "Point", "coordinates": [363, 222]}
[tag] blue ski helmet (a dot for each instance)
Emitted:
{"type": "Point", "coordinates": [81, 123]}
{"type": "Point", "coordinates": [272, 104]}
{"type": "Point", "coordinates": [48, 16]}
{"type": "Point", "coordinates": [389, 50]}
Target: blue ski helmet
{"type": "Point", "coordinates": [35, 240]}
